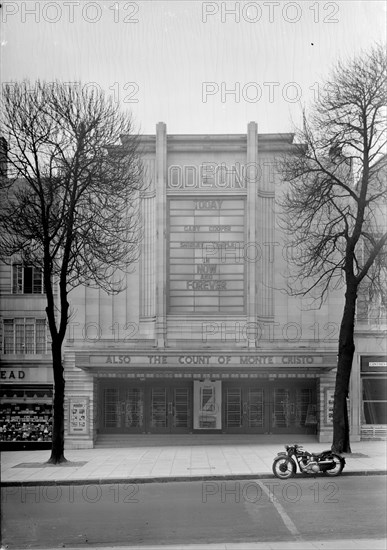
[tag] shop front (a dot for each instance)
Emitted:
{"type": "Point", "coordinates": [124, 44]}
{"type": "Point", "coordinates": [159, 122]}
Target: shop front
{"type": "Point", "coordinates": [373, 386]}
{"type": "Point", "coordinates": [25, 407]}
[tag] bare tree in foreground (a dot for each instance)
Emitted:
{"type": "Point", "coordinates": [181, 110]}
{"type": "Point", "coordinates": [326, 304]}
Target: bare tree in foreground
{"type": "Point", "coordinates": [335, 207]}
{"type": "Point", "coordinates": [70, 203]}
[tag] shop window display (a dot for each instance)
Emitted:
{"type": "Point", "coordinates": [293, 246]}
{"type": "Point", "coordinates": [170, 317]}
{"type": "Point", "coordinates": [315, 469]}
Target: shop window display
{"type": "Point", "coordinates": [25, 415]}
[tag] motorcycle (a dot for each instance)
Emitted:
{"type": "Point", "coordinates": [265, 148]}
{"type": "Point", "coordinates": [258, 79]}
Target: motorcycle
{"type": "Point", "coordinates": [327, 462]}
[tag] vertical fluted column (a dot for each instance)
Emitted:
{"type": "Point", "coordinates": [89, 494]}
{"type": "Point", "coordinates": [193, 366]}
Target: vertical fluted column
{"type": "Point", "coordinates": [148, 256]}
{"type": "Point", "coordinates": [161, 184]}
{"type": "Point", "coordinates": [252, 158]}
{"type": "Point", "coordinates": [268, 254]}
{"type": "Point", "coordinates": [266, 237]}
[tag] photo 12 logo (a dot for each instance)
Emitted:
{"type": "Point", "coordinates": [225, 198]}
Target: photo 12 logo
{"type": "Point", "coordinates": [255, 332]}
{"type": "Point", "coordinates": [269, 12]}
{"type": "Point", "coordinates": [253, 492]}
{"type": "Point", "coordinates": [126, 92]}
{"type": "Point", "coordinates": [71, 12]}
{"type": "Point", "coordinates": [252, 92]}
{"type": "Point", "coordinates": [93, 331]}
{"type": "Point", "coordinates": [91, 493]}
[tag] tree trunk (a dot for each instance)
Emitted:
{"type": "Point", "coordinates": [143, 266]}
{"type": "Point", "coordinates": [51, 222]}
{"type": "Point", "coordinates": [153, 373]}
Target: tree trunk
{"type": "Point", "coordinates": [341, 443]}
{"type": "Point", "coordinates": [57, 450]}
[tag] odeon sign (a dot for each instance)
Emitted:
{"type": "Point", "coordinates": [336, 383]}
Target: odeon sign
{"type": "Point", "coordinates": [211, 175]}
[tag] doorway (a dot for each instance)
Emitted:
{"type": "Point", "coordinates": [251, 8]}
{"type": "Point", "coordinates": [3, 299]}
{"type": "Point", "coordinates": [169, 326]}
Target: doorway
{"type": "Point", "coordinates": [141, 407]}
{"type": "Point", "coordinates": [270, 407]}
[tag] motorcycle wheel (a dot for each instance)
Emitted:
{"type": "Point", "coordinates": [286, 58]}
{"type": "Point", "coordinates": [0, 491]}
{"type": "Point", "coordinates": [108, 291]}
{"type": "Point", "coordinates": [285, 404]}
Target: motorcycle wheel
{"type": "Point", "coordinates": [339, 465]}
{"type": "Point", "coordinates": [284, 467]}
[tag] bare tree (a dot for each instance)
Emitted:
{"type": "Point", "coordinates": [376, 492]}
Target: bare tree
{"type": "Point", "coordinates": [70, 202]}
{"type": "Point", "coordinates": [335, 206]}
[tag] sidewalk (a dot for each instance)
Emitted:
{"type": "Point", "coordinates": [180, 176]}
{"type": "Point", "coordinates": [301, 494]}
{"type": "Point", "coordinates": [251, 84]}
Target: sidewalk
{"type": "Point", "coordinates": [347, 544]}
{"type": "Point", "coordinates": [163, 459]}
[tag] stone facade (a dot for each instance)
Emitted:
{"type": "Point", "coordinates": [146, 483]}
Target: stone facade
{"type": "Point", "coordinates": [204, 339]}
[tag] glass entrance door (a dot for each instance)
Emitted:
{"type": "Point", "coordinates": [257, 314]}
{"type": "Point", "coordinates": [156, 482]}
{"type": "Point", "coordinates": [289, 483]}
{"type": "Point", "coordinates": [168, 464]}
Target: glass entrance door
{"type": "Point", "coordinates": [270, 407]}
{"type": "Point", "coordinates": [145, 408]}
{"type": "Point", "coordinates": [134, 409]}
{"type": "Point", "coordinates": [170, 409]}
{"type": "Point", "coordinates": [293, 408]}
{"type": "Point", "coordinates": [244, 409]}
{"type": "Point", "coordinates": [123, 410]}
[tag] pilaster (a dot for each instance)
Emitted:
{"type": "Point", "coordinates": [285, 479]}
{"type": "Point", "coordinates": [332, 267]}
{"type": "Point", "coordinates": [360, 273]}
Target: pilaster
{"type": "Point", "coordinates": [148, 256]}
{"type": "Point", "coordinates": [161, 184]}
{"type": "Point", "coordinates": [252, 163]}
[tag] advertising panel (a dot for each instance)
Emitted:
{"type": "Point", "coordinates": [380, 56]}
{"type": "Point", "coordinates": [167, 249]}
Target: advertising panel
{"type": "Point", "coordinates": [207, 255]}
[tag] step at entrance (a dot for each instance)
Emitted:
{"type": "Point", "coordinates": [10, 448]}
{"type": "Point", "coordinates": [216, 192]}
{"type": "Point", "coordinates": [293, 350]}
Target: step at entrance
{"type": "Point", "coordinates": [170, 440]}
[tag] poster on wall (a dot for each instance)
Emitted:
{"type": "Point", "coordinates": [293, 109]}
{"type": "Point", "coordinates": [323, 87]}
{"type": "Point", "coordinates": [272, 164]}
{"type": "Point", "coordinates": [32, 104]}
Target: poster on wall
{"type": "Point", "coordinates": [78, 417]}
{"type": "Point", "coordinates": [207, 405]}
{"type": "Point", "coordinates": [329, 399]}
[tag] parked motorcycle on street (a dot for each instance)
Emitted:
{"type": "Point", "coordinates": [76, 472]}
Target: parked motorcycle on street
{"type": "Point", "coordinates": [285, 464]}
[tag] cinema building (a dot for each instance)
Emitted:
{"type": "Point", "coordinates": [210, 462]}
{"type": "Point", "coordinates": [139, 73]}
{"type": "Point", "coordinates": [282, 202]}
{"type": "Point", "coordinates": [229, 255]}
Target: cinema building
{"type": "Point", "coordinates": [205, 339]}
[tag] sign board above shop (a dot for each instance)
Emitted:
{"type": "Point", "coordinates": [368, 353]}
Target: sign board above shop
{"type": "Point", "coordinates": [207, 359]}
{"type": "Point", "coordinates": [23, 375]}
{"type": "Point", "coordinates": [373, 363]}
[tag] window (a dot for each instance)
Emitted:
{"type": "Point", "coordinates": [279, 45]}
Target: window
{"type": "Point", "coordinates": [25, 336]}
{"type": "Point", "coordinates": [374, 400]}
{"type": "Point", "coordinates": [27, 280]}
{"type": "Point", "coordinates": [374, 389]}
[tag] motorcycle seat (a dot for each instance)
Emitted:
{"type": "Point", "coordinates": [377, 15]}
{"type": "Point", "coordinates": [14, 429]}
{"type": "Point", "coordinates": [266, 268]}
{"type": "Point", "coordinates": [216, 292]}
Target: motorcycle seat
{"type": "Point", "coordinates": [322, 453]}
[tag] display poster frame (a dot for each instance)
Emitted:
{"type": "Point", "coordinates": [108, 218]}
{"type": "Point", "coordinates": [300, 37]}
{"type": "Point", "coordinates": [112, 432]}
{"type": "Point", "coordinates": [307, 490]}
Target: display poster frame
{"type": "Point", "coordinates": [79, 415]}
{"type": "Point", "coordinates": [207, 410]}
{"type": "Point", "coordinates": [329, 400]}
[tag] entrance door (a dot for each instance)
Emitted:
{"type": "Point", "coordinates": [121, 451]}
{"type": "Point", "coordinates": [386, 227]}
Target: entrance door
{"type": "Point", "coordinates": [138, 407]}
{"type": "Point", "coordinates": [293, 408]}
{"type": "Point", "coordinates": [244, 409]}
{"type": "Point", "coordinates": [123, 409]}
{"type": "Point", "coordinates": [170, 409]}
{"type": "Point", "coordinates": [270, 407]}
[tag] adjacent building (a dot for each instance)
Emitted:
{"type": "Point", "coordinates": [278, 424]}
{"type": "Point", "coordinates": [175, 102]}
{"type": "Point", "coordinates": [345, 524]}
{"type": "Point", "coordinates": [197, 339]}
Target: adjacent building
{"type": "Point", "coordinates": [368, 390]}
{"type": "Point", "coordinates": [25, 362]}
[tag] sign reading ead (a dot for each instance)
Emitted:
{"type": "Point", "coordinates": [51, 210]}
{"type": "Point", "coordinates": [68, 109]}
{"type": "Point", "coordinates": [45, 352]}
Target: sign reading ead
{"type": "Point", "coordinates": [12, 374]}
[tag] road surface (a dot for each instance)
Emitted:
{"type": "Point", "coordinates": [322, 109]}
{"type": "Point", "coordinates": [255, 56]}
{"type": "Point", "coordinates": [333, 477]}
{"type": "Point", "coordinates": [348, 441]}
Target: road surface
{"type": "Point", "coordinates": [303, 508]}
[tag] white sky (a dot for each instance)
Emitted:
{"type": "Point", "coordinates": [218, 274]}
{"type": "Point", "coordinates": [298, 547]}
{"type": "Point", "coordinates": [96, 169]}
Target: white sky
{"type": "Point", "coordinates": [162, 54]}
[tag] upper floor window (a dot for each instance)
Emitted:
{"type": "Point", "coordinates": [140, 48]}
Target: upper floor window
{"type": "Point", "coordinates": [27, 280]}
{"type": "Point", "coordinates": [24, 335]}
